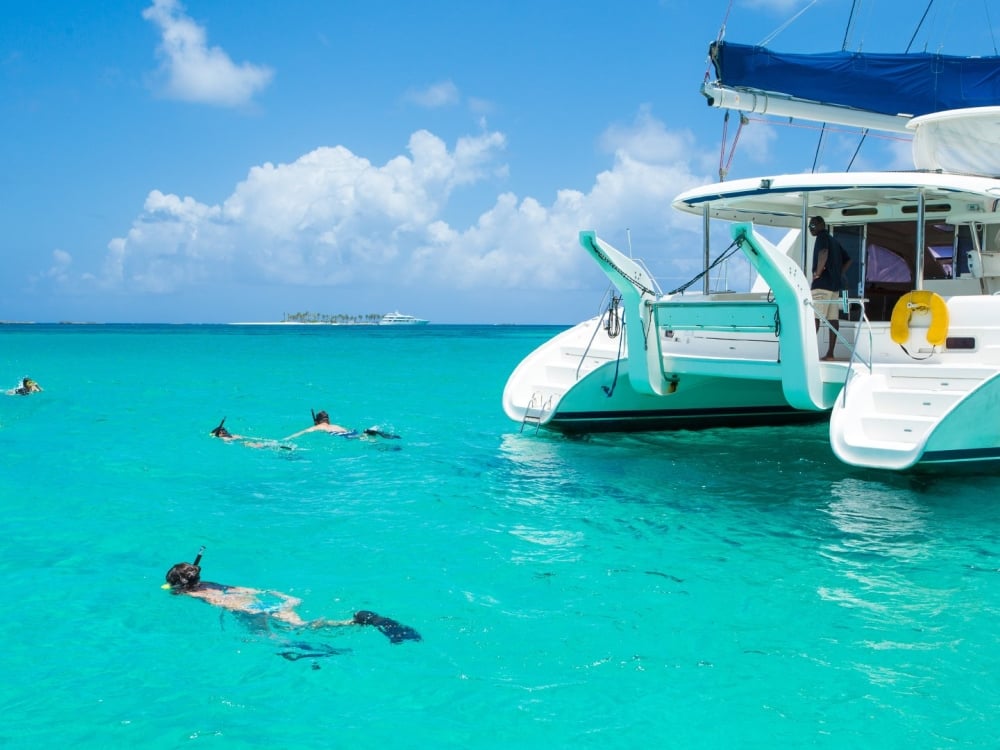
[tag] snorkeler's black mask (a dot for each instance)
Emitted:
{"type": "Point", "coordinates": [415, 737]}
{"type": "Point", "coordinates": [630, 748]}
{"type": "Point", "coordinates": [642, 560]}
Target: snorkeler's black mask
{"type": "Point", "coordinates": [221, 431]}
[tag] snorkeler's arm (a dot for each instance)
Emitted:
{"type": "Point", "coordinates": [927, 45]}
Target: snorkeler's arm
{"type": "Point", "coordinates": [286, 600]}
{"type": "Point", "coordinates": [299, 433]}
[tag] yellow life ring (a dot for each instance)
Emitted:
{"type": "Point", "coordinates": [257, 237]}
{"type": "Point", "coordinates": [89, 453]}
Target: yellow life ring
{"type": "Point", "coordinates": [924, 301]}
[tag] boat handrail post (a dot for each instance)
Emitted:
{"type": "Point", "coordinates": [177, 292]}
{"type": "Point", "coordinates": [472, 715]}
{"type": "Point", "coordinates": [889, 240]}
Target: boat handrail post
{"type": "Point", "coordinates": [851, 347]}
{"type": "Point", "coordinates": [854, 351]}
{"type": "Point", "coordinates": [918, 271]}
{"type": "Point", "coordinates": [706, 247]}
{"type": "Point", "coordinates": [804, 254]}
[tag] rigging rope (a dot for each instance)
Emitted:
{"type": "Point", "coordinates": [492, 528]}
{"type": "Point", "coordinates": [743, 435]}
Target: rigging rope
{"type": "Point", "coordinates": [917, 30]}
{"type": "Point", "coordinates": [989, 25]}
{"type": "Point", "coordinates": [723, 256]}
{"type": "Point", "coordinates": [819, 147]}
{"type": "Point", "coordinates": [724, 163]}
{"type": "Point", "coordinates": [725, 20]}
{"type": "Point", "coordinates": [864, 134]}
{"type": "Point", "coordinates": [768, 39]}
{"type": "Point", "coordinates": [722, 145]}
{"type": "Point", "coordinates": [620, 272]}
{"type": "Point", "coordinates": [850, 23]}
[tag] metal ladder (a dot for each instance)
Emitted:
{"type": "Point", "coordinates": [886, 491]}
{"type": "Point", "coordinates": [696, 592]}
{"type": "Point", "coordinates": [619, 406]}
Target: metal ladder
{"type": "Point", "coordinates": [540, 411]}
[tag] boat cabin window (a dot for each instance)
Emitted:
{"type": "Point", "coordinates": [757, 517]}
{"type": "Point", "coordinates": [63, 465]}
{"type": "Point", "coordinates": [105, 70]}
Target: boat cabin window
{"type": "Point", "coordinates": [963, 246]}
{"type": "Point", "coordinates": [990, 238]}
{"type": "Point", "coordinates": [884, 255]}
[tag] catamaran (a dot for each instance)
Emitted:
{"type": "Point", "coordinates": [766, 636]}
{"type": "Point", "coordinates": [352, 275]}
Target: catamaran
{"type": "Point", "coordinates": [918, 348]}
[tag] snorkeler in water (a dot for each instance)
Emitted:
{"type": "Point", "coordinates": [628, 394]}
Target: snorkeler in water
{"type": "Point", "coordinates": [223, 434]}
{"type": "Point", "coordinates": [185, 579]}
{"type": "Point", "coordinates": [321, 423]}
{"type": "Point", "coordinates": [27, 386]}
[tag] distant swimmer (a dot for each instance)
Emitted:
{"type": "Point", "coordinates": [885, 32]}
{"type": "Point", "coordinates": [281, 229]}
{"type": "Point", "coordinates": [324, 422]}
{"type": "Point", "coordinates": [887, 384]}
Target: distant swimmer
{"type": "Point", "coordinates": [26, 387]}
{"type": "Point", "coordinates": [223, 434]}
{"type": "Point", "coordinates": [185, 579]}
{"type": "Point", "coordinates": [321, 423]}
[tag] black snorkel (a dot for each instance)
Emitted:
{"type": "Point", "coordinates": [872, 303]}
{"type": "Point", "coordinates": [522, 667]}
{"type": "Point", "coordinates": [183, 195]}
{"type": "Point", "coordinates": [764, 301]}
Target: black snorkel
{"type": "Point", "coordinates": [313, 412]}
{"type": "Point", "coordinates": [218, 430]}
{"type": "Point", "coordinates": [197, 558]}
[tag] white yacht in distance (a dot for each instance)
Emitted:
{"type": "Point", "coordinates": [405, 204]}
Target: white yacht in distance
{"type": "Point", "coordinates": [916, 376]}
{"type": "Point", "coordinates": [398, 319]}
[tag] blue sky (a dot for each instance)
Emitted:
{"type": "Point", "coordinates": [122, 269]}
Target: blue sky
{"type": "Point", "coordinates": [211, 161]}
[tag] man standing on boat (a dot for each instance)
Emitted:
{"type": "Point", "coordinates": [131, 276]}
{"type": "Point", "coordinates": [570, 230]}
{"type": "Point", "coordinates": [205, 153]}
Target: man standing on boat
{"type": "Point", "coordinates": [830, 263]}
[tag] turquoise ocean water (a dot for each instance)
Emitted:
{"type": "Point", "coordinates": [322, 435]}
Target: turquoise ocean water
{"type": "Point", "coordinates": [716, 589]}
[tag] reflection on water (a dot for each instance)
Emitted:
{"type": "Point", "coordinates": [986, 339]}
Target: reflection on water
{"type": "Point", "coordinates": [536, 486]}
{"type": "Point", "coordinates": [890, 569]}
{"type": "Point", "coordinates": [547, 545]}
{"type": "Point", "coordinates": [882, 555]}
{"type": "Point", "coordinates": [876, 521]}
{"type": "Point", "coordinates": [879, 534]}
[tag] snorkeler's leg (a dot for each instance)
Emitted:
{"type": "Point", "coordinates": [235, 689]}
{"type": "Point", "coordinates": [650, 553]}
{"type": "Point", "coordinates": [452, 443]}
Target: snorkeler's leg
{"type": "Point", "coordinates": [322, 622]}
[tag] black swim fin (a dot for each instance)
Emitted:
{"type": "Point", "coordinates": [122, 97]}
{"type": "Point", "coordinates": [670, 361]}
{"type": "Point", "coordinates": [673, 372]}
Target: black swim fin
{"type": "Point", "coordinates": [396, 632]}
{"type": "Point", "coordinates": [375, 431]}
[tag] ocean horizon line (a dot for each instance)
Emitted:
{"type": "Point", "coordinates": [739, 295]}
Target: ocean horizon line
{"type": "Point", "coordinates": [252, 323]}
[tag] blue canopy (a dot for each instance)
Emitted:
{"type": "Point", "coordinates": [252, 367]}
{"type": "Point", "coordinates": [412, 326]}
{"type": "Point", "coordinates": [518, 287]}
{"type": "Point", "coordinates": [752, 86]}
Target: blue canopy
{"type": "Point", "coordinates": [891, 84]}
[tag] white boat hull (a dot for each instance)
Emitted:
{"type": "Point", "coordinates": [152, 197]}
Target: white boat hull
{"type": "Point", "coordinates": [578, 382]}
{"type": "Point", "coordinates": [940, 408]}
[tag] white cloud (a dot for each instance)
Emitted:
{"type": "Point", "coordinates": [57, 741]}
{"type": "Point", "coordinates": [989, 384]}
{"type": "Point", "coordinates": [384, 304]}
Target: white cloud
{"type": "Point", "coordinates": [646, 139]}
{"type": "Point", "coordinates": [479, 106]}
{"type": "Point", "coordinates": [195, 72]}
{"type": "Point", "coordinates": [59, 272]}
{"type": "Point", "coordinates": [332, 218]}
{"type": "Point", "coordinates": [442, 94]}
{"type": "Point", "coordinates": [524, 244]}
{"type": "Point", "coordinates": [61, 262]}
